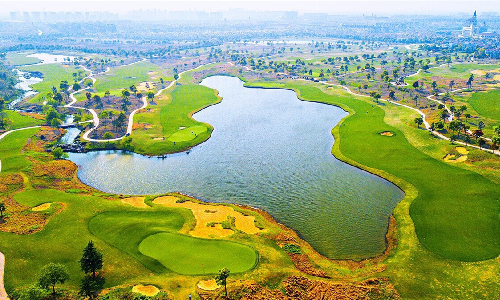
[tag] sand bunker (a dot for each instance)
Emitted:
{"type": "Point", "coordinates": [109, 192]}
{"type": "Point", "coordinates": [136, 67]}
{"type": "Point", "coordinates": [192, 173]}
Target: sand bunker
{"type": "Point", "coordinates": [159, 138]}
{"type": "Point", "coordinates": [208, 285]}
{"type": "Point", "coordinates": [152, 73]}
{"type": "Point", "coordinates": [145, 86]}
{"type": "Point", "coordinates": [146, 290]}
{"type": "Point", "coordinates": [451, 158]}
{"type": "Point", "coordinates": [136, 202]}
{"type": "Point", "coordinates": [496, 77]}
{"type": "Point", "coordinates": [386, 133]}
{"type": "Point", "coordinates": [478, 72]}
{"type": "Point", "coordinates": [182, 127]}
{"type": "Point", "coordinates": [462, 150]}
{"type": "Point", "coordinates": [206, 213]}
{"type": "Point", "coordinates": [42, 207]}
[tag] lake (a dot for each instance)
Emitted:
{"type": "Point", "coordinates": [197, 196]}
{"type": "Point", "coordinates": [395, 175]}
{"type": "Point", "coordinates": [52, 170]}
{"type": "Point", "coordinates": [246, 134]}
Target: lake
{"type": "Point", "coordinates": [268, 150]}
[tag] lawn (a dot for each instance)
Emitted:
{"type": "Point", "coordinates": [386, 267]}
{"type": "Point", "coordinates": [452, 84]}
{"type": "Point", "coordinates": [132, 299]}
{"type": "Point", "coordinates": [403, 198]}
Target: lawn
{"type": "Point", "coordinates": [114, 226]}
{"type": "Point", "coordinates": [16, 120]}
{"type": "Point", "coordinates": [487, 104]}
{"type": "Point", "coordinates": [53, 74]}
{"type": "Point", "coordinates": [10, 150]}
{"type": "Point", "coordinates": [193, 256]}
{"type": "Point", "coordinates": [172, 123]}
{"type": "Point", "coordinates": [128, 75]}
{"type": "Point", "coordinates": [18, 59]}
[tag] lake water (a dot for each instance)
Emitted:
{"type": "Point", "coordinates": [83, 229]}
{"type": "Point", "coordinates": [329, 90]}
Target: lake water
{"type": "Point", "coordinates": [268, 150]}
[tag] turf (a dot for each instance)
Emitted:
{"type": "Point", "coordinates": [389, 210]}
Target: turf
{"type": "Point", "coordinates": [18, 59]}
{"type": "Point", "coordinates": [53, 74]}
{"type": "Point", "coordinates": [16, 120]}
{"type": "Point", "coordinates": [10, 150]}
{"type": "Point", "coordinates": [128, 75]}
{"type": "Point", "coordinates": [455, 212]}
{"type": "Point", "coordinates": [487, 104]}
{"type": "Point", "coordinates": [187, 134]}
{"type": "Point", "coordinates": [172, 112]}
{"type": "Point", "coordinates": [125, 230]}
{"type": "Point", "coordinates": [193, 256]}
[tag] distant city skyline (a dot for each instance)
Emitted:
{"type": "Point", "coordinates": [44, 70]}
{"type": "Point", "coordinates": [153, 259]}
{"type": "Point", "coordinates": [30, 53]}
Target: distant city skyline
{"type": "Point", "coordinates": [331, 7]}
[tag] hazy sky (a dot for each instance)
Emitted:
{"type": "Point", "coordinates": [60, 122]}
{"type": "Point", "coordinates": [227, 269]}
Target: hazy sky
{"type": "Point", "coordinates": [332, 7]}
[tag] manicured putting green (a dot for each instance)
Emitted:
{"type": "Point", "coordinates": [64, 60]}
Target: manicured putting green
{"type": "Point", "coordinates": [487, 104]}
{"type": "Point", "coordinates": [190, 256]}
{"type": "Point", "coordinates": [187, 134]}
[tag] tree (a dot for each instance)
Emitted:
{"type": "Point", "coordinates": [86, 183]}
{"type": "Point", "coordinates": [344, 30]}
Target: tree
{"type": "Point", "coordinates": [176, 76]}
{"type": "Point", "coordinates": [495, 141]}
{"type": "Point", "coordinates": [58, 153]}
{"type": "Point", "coordinates": [76, 86]}
{"type": "Point", "coordinates": [91, 260]}
{"type": "Point", "coordinates": [480, 125]}
{"type": "Point", "coordinates": [51, 275]}
{"type": "Point", "coordinates": [481, 143]}
{"type": "Point", "coordinates": [107, 93]}
{"type": "Point", "coordinates": [391, 94]}
{"type": "Point", "coordinates": [419, 121]}
{"type": "Point", "coordinates": [477, 133]}
{"type": "Point", "coordinates": [107, 135]}
{"type": "Point", "coordinates": [2, 210]}
{"type": "Point", "coordinates": [470, 80]}
{"type": "Point", "coordinates": [451, 84]}
{"type": "Point", "coordinates": [151, 96]}
{"type": "Point", "coordinates": [454, 126]}
{"type": "Point", "coordinates": [90, 286]}
{"type": "Point", "coordinates": [221, 278]}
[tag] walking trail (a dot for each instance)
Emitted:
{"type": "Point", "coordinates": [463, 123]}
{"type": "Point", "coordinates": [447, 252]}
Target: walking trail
{"type": "Point", "coordinates": [3, 293]}
{"type": "Point", "coordinates": [131, 117]}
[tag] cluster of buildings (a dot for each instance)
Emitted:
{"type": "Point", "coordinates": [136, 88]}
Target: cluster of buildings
{"type": "Point", "coordinates": [475, 30]}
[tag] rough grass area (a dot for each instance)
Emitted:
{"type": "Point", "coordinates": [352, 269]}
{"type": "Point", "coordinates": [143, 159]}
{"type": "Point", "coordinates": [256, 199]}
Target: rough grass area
{"type": "Point", "coordinates": [487, 104]}
{"type": "Point", "coordinates": [188, 255]}
{"type": "Point", "coordinates": [170, 118]}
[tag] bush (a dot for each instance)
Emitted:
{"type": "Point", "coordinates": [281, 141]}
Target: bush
{"type": "Point", "coordinates": [292, 249]}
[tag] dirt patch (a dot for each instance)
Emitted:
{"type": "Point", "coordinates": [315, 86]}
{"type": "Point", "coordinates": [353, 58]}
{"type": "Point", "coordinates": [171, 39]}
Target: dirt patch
{"type": "Point", "coordinates": [42, 207]}
{"type": "Point", "coordinates": [387, 133]}
{"type": "Point", "coordinates": [208, 285]}
{"type": "Point", "coordinates": [209, 218]}
{"type": "Point", "coordinates": [146, 290]}
{"type": "Point", "coordinates": [136, 202]}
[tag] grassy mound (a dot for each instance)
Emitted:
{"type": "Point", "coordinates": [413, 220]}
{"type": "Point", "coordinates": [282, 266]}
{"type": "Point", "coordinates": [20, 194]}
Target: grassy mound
{"type": "Point", "coordinates": [191, 256]}
{"type": "Point", "coordinates": [487, 104]}
{"type": "Point", "coordinates": [125, 230]}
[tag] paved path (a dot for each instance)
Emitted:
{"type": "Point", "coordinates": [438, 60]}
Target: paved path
{"type": "Point", "coordinates": [3, 293]}
{"type": "Point", "coordinates": [95, 117]}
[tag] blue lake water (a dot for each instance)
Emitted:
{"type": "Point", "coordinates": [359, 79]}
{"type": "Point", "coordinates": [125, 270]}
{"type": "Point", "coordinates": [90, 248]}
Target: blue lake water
{"type": "Point", "coordinates": [268, 150]}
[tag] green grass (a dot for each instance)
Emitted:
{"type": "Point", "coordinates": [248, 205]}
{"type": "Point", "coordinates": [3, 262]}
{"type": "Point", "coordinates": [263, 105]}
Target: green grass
{"type": "Point", "coordinates": [171, 113]}
{"type": "Point", "coordinates": [17, 59]}
{"type": "Point", "coordinates": [487, 104]}
{"type": "Point", "coordinates": [127, 229]}
{"type": "Point", "coordinates": [125, 76]}
{"type": "Point", "coordinates": [187, 134]}
{"type": "Point", "coordinates": [53, 74]}
{"type": "Point", "coordinates": [16, 120]}
{"type": "Point", "coordinates": [193, 256]}
{"type": "Point", "coordinates": [10, 150]}
{"type": "Point", "coordinates": [456, 211]}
